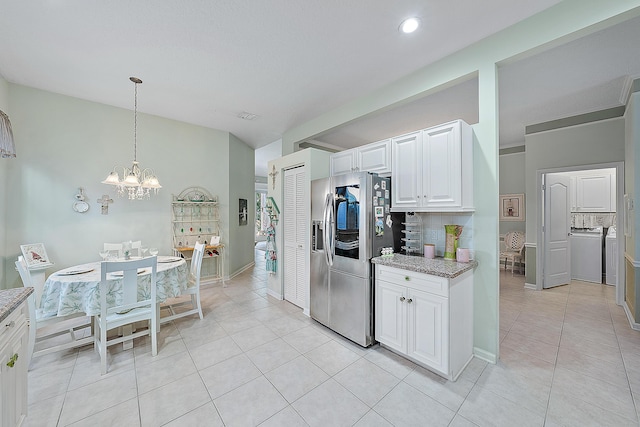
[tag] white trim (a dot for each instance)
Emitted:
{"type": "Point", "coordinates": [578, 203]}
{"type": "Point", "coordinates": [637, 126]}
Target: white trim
{"type": "Point", "coordinates": [635, 326]}
{"type": "Point", "coordinates": [485, 355]}
{"type": "Point", "coordinates": [530, 245]}
{"type": "Point", "coordinates": [274, 294]}
{"type": "Point", "coordinates": [530, 286]}
{"type": "Point", "coordinates": [243, 269]}
{"type": "Point", "coordinates": [633, 262]}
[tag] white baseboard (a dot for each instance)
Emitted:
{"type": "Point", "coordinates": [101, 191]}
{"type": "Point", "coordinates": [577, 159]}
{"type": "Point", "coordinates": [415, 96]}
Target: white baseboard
{"type": "Point", "coordinates": [635, 326]}
{"type": "Point", "coordinates": [485, 355]}
{"type": "Point", "coordinates": [276, 295]}
{"type": "Point", "coordinates": [530, 286]}
{"type": "Point", "coordinates": [241, 270]}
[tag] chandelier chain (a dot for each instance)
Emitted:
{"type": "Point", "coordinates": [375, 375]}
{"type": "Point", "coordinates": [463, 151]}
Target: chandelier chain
{"type": "Point", "coordinates": [135, 123]}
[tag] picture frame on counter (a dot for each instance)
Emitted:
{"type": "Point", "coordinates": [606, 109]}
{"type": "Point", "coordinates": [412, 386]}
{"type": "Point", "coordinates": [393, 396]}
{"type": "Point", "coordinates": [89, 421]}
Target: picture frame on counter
{"type": "Point", "coordinates": [512, 207]}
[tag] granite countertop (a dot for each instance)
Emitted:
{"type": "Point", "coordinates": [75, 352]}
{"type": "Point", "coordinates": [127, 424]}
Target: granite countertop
{"type": "Point", "coordinates": [10, 299]}
{"type": "Point", "coordinates": [437, 267]}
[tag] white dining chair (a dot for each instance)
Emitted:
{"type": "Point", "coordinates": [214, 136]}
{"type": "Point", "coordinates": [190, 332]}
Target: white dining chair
{"type": "Point", "coordinates": [136, 248]}
{"type": "Point", "coordinates": [71, 324]}
{"type": "Point", "coordinates": [115, 250]}
{"type": "Point", "coordinates": [513, 248]}
{"type": "Point", "coordinates": [129, 308]}
{"type": "Point", "coordinates": [193, 289]}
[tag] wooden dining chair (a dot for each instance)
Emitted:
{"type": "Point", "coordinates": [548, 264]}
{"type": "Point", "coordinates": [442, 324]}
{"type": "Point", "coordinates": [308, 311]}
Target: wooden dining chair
{"type": "Point", "coordinates": [115, 250]}
{"type": "Point", "coordinates": [193, 289]}
{"type": "Point", "coordinates": [38, 322]}
{"type": "Point", "coordinates": [127, 309]}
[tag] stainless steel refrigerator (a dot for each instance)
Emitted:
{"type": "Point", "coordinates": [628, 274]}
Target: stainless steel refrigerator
{"type": "Point", "coordinates": [351, 223]}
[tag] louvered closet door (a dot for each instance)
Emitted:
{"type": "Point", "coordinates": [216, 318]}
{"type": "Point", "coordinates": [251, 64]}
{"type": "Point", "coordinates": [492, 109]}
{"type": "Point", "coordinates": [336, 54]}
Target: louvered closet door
{"type": "Point", "coordinates": [296, 286]}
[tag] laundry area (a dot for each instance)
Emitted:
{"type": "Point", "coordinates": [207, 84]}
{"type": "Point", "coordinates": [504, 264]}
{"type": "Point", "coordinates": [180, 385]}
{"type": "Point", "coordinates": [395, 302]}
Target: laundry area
{"type": "Point", "coordinates": [593, 225]}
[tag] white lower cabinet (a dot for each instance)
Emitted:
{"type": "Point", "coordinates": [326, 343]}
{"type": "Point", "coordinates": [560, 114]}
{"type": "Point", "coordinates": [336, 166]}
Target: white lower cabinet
{"type": "Point", "coordinates": [13, 368]}
{"type": "Point", "coordinates": [428, 319]}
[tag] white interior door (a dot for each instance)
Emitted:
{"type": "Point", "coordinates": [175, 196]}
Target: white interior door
{"type": "Point", "coordinates": [557, 230]}
{"type": "Point", "coordinates": [296, 287]}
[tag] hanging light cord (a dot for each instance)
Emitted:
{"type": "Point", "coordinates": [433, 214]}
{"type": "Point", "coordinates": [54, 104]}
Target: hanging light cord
{"type": "Point", "coordinates": [135, 122]}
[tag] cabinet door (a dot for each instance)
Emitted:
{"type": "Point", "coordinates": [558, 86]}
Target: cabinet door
{"type": "Point", "coordinates": [573, 191]}
{"type": "Point", "coordinates": [295, 201]}
{"type": "Point", "coordinates": [13, 380]}
{"type": "Point", "coordinates": [406, 175]}
{"type": "Point", "coordinates": [343, 162]}
{"type": "Point", "coordinates": [428, 329]}
{"type": "Point", "coordinates": [442, 174]}
{"type": "Point", "coordinates": [390, 315]}
{"type": "Point", "coordinates": [594, 193]}
{"type": "Point", "coordinates": [375, 157]}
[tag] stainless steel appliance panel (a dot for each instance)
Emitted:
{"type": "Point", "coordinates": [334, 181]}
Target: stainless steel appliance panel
{"type": "Point", "coordinates": [319, 268]}
{"type": "Point", "coordinates": [350, 307]}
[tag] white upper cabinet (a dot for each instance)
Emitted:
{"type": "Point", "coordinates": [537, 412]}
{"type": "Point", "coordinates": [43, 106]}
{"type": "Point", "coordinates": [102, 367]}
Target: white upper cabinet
{"type": "Point", "coordinates": [433, 169]}
{"type": "Point", "coordinates": [343, 162]}
{"type": "Point", "coordinates": [374, 157]}
{"type": "Point", "coordinates": [595, 192]}
{"type": "Point", "coordinates": [406, 176]}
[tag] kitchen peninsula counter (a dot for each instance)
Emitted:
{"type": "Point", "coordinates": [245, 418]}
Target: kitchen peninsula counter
{"type": "Point", "coordinates": [10, 299]}
{"type": "Point", "coordinates": [436, 267]}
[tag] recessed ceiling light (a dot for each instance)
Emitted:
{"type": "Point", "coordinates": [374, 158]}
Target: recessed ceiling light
{"type": "Point", "coordinates": [409, 25]}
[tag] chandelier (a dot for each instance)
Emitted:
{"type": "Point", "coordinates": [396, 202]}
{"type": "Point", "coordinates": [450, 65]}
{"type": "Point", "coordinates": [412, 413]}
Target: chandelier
{"type": "Point", "coordinates": [7, 146]}
{"type": "Point", "coordinates": [136, 183]}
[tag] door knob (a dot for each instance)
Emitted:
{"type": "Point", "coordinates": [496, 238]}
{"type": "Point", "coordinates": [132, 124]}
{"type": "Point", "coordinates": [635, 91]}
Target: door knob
{"type": "Point", "coordinates": [402, 298]}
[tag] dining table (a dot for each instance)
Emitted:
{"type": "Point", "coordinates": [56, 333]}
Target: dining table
{"type": "Point", "coordinates": [76, 289]}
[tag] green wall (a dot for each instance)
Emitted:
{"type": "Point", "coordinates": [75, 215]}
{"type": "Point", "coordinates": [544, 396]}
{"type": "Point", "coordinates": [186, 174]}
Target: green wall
{"type": "Point", "coordinates": [512, 182]}
{"type": "Point", "coordinates": [4, 164]}
{"type": "Point", "coordinates": [632, 177]}
{"type": "Point", "coordinates": [241, 186]}
{"type": "Point", "coordinates": [64, 143]}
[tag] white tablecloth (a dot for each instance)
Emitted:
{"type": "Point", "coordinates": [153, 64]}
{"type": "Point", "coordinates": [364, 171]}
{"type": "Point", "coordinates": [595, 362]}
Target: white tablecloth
{"type": "Point", "coordinates": [79, 293]}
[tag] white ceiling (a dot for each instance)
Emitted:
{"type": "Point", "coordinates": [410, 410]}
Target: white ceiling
{"type": "Point", "coordinates": [204, 62]}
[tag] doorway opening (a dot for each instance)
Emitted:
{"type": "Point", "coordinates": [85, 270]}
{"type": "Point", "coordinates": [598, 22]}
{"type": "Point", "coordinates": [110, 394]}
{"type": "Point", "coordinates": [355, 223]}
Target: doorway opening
{"type": "Point", "coordinates": [577, 207]}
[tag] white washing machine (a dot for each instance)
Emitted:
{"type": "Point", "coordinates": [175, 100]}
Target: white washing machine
{"type": "Point", "coordinates": [611, 249]}
{"type": "Point", "coordinates": [586, 254]}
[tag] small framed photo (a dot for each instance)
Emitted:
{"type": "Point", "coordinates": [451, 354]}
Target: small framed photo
{"type": "Point", "coordinates": [35, 255]}
{"type": "Point", "coordinates": [512, 207]}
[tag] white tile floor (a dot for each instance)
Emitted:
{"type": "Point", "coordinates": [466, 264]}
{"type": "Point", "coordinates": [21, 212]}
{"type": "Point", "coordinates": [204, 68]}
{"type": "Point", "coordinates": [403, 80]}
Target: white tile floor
{"type": "Point", "coordinates": [568, 357]}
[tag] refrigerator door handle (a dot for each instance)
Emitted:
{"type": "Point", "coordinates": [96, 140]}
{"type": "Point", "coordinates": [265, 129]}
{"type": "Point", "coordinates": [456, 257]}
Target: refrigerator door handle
{"type": "Point", "coordinates": [328, 229]}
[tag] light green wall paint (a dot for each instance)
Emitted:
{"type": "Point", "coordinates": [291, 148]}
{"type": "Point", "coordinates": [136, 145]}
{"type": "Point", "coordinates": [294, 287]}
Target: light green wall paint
{"type": "Point", "coordinates": [65, 143]}
{"type": "Point", "coordinates": [632, 174]}
{"type": "Point", "coordinates": [551, 27]}
{"type": "Point", "coordinates": [512, 181]}
{"type": "Point", "coordinates": [241, 186]}
{"type": "Point", "coordinates": [632, 188]}
{"type": "Point", "coordinates": [4, 164]}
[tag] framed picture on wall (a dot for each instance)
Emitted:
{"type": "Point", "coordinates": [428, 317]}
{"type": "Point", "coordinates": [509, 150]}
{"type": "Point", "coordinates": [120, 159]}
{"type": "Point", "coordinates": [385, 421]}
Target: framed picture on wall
{"type": "Point", "coordinates": [512, 207]}
{"type": "Point", "coordinates": [242, 211]}
{"type": "Point", "coordinates": [35, 255]}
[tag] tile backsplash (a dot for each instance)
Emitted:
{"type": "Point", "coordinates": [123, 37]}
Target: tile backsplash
{"type": "Point", "coordinates": [433, 229]}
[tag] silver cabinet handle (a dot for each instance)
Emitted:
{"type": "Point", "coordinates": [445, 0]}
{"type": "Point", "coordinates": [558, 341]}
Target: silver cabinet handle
{"type": "Point", "coordinates": [409, 300]}
{"type": "Point", "coordinates": [10, 324]}
{"type": "Point", "coordinates": [402, 299]}
{"type": "Point", "coordinates": [407, 278]}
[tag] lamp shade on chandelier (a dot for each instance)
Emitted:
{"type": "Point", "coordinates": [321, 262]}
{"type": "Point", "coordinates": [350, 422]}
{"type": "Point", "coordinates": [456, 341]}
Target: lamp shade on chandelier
{"type": "Point", "coordinates": [136, 182]}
